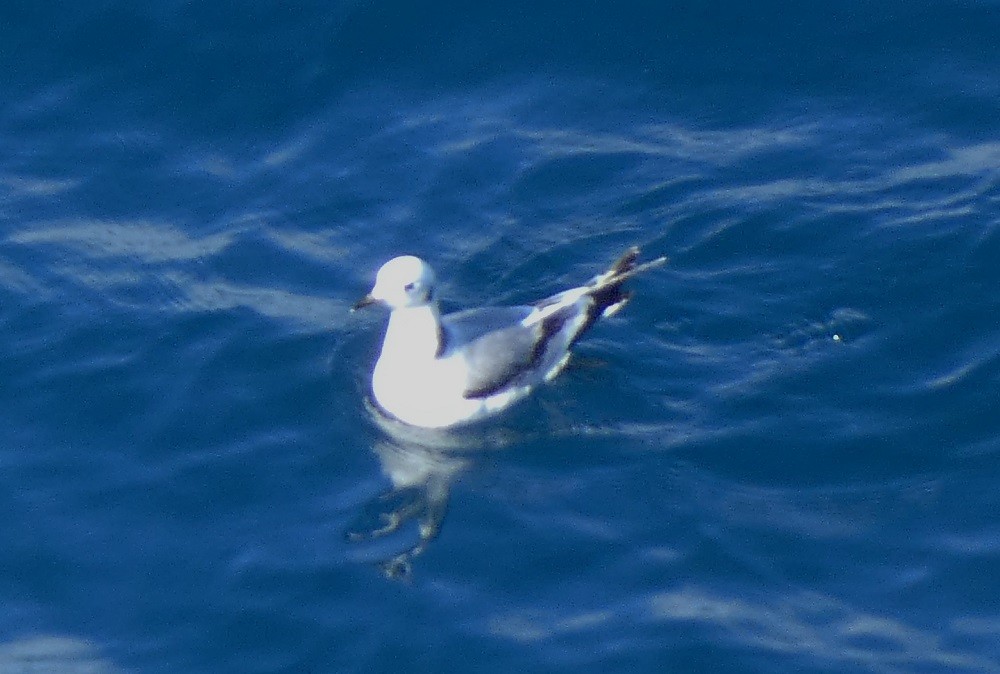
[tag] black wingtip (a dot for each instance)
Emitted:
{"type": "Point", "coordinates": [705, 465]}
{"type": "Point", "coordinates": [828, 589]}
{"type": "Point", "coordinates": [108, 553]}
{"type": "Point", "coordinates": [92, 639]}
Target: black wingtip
{"type": "Point", "coordinates": [608, 294]}
{"type": "Point", "coordinates": [625, 266]}
{"type": "Point", "coordinates": [625, 262]}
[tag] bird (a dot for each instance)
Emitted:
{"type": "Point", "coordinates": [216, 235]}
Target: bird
{"type": "Point", "coordinates": [439, 372]}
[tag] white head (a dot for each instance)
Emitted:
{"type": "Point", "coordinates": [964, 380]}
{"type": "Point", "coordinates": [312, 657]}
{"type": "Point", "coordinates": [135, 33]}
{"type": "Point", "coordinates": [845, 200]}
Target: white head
{"type": "Point", "coordinates": [404, 281]}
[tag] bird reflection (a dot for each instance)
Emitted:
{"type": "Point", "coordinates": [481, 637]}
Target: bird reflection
{"type": "Point", "coordinates": [421, 481]}
{"type": "Point", "coordinates": [421, 464]}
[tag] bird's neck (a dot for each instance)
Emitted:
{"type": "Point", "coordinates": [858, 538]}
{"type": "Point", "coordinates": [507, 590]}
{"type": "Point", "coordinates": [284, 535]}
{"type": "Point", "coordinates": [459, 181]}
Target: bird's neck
{"type": "Point", "coordinates": [413, 333]}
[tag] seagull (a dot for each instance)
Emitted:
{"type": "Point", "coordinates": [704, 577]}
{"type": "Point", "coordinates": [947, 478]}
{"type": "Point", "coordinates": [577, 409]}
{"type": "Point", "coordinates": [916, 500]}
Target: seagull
{"type": "Point", "coordinates": [439, 371]}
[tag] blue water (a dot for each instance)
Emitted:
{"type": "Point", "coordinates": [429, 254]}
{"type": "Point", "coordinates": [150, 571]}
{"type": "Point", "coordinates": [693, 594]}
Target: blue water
{"type": "Point", "coordinates": [783, 456]}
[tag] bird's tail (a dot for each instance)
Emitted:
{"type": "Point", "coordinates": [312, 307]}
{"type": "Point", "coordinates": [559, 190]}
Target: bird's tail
{"type": "Point", "coordinates": [606, 288]}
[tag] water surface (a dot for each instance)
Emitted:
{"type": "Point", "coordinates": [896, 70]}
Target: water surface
{"type": "Point", "coordinates": [783, 456]}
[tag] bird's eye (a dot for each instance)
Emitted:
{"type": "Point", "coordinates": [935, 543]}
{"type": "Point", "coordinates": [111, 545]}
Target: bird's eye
{"type": "Point", "coordinates": [409, 286]}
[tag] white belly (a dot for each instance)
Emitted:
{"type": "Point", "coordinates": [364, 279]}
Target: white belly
{"type": "Point", "coordinates": [430, 393]}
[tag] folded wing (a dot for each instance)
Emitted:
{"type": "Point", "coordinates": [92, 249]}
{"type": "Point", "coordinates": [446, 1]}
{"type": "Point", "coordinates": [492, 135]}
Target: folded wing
{"type": "Point", "coordinates": [498, 353]}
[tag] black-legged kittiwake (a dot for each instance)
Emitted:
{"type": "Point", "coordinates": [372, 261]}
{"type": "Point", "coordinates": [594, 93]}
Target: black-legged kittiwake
{"type": "Point", "coordinates": [439, 371]}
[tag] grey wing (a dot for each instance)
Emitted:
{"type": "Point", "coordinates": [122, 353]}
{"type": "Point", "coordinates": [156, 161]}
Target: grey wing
{"type": "Point", "coordinates": [463, 327]}
{"type": "Point", "coordinates": [494, 345]}
{"type": "Point", "coordinates": [497, 358]}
